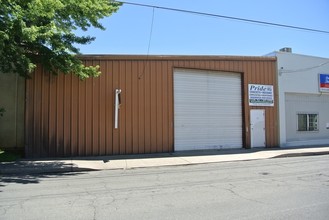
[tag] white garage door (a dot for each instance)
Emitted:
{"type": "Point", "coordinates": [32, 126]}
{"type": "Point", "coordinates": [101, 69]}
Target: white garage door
{"type": "Point", "coordinates": [208, 110]}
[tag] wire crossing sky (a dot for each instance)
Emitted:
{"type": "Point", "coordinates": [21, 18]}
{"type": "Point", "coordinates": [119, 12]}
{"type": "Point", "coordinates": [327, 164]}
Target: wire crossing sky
{"type": "Point", "coordinates": [188, 27]}
{"type": "Point", "coordinates": [226, 17]}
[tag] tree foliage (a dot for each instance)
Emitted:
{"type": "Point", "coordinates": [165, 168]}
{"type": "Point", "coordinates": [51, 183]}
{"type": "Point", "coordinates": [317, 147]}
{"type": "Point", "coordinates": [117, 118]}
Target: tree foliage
{"type": "Point", "coordinates": [42, 31]}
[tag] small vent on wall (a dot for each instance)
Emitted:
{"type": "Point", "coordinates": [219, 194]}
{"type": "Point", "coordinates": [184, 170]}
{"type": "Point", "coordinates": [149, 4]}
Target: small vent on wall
{"type": "Point", "coordinates": [286, 49]}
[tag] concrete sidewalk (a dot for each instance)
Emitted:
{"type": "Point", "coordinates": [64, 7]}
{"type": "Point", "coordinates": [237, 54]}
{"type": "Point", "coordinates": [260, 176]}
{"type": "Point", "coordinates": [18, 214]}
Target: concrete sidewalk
{"type": "Point", "coordinates": [26, 167]}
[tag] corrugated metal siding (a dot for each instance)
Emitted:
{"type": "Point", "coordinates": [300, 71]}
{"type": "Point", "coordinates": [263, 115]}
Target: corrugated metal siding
{"type": "Point", "coordinates": [69, 117]}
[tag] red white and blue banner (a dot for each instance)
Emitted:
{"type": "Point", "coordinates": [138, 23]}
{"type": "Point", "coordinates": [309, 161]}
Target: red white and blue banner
{"type": "Point", "coordinates": [324, 82]}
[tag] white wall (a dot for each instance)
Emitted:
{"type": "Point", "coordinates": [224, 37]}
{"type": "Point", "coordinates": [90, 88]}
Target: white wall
{"type": "Point", "coordinates": [306, 103]}
{"type": "Point", "coordinates": [297, 74]}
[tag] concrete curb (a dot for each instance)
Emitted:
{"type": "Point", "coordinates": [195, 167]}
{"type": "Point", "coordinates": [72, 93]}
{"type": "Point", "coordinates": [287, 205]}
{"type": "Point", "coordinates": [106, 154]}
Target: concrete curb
{"type": "Point", "coordinates": [34, 167]}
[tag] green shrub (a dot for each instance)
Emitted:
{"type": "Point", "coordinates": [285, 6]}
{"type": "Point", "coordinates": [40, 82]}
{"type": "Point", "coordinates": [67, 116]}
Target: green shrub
{"type": "Point", "coordinates": [8, 156]}
{"type": "Point", "coordinates": [2, 110]}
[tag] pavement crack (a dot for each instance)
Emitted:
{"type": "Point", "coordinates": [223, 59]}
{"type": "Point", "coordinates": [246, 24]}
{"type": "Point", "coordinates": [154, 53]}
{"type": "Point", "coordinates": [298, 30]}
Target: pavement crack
{"type": "Point", "coordinates": [231, 190]}
{"type": "Point", "coordinates": [93, 203]}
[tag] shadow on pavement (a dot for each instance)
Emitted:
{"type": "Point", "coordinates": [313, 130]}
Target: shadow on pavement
{"type": "Point", "coordinates": [302, 154]}
{"type": "Point", "coordinates": [30, 172]}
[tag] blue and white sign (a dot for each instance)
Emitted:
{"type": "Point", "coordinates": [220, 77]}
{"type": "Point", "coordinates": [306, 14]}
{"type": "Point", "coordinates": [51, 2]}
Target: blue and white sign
{"type": "Point", "coordinates": [324, 82]}
{"type": "Point", "coordinates": [261, 95]}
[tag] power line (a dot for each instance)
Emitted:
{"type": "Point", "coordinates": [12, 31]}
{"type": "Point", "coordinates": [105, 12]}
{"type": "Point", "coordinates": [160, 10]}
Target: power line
{"type": "Point", "coordinates": [151, 31]}
{"type": "Point", "coordinates": [226, 17]}
{"type": "Point", "coordinates": [303, 69]}
{"type": "Point", "coordinates": [148, 47]}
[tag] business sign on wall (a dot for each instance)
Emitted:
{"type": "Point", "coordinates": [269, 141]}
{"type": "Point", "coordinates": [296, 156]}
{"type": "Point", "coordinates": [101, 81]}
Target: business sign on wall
{"type": "Point", "coordinates": [261, 95]}
{"type": "Point", "coordinates": [324, 82]}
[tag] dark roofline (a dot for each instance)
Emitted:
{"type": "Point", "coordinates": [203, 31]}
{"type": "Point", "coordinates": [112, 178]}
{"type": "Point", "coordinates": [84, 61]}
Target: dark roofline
{"type": "Point", "coordinates": [175, 57]}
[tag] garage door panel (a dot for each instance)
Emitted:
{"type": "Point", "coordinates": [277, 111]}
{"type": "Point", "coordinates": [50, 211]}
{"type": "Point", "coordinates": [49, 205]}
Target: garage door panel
{"type": "Point", "coordinates": [208, 110]}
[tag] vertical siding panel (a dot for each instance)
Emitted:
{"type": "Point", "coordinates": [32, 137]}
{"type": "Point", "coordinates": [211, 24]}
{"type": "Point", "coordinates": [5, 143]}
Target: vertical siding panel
{"type": "Point", "coordinates": [268, 124]}
{"type": "Point", "coordinates": [229, 65]}
{"type": "Point", "coordinates": [171, 106]}
{"type": "Point", "coordinates": [109, 107]}
{"type": "Point", "coordinates": [211, 65]}
{"type": "Point", "coordinates": [242, 71]}
{"type": "Point", "coordinates": [217, 65]}
{"type": "Point", "coordinates": [268, 110]}
{"type": "Point", "coordinates": [33, 150]}
{"type": "Point", "coordinates": [134, 134]}
{"type": "Point", "coordinates": [67, 114]}
{"type": "Point", "coordinates": [273, 79]}
{"type": "Point", "coordinates": [123, 108]}
{"type": "Point", "coordinates": [241, 66]}
{"type": "Point", "coordinates": [266, 73]}
{"type": "Point", "coordinates": [43, 149]}
{"type": "Point", "coordinates": [153, 92]}
{"type": "Point", "coordinates": [221, 65]}
{"type": "Point", "coordinates": [45, 112]}
{"type": "Point", "coordinates": [29, 118]}
{"type": "Point", "coordinates": [261, 76]}
{"type": "Point", "coordinates": [37, 112]}
{"type": "Point", "coordinates": [147, 75]}
{"type": "Point", "coordinates": [89, 116]}
{"type": "Point", "coordinates": [60, 116]}
{"type": "Point", "coordinates": [232, 66]}
{"type": "Point", "coordinates": [52, 116]}
{"type": "Point", "coordinates": [191, 64]}
{"type": "Point", "coordinates": [226, 65]}
{"type": "Point", "coordinates": [141, 107]}
{"type": "Point", "coordinates": [258, 77]}
{"type": "Point", "coordinates": [247, 75]}
{"type": "Point", "coordinates": [135, 114]}
{"type": "Point", "coordinates": [116, 132]}
{"type": "Point", "coordinates": [95, 113]}
{"type": "Point", "coordinates": [102, 108]}
{"type": "Point", "coordinates": [236, 66]}
{"type": "Point", "coordinates": [129, 97]}
{"type": "Point", "coordinates": [159, 107]}
{"type": "Point", "coordinates": [74, 115]}
{"type": "Point", "coordinates": [206, 65]}
{"type": "Point", "coordinates": [82, 118]}
{"type": "Point", "coordinates": [165, 112]}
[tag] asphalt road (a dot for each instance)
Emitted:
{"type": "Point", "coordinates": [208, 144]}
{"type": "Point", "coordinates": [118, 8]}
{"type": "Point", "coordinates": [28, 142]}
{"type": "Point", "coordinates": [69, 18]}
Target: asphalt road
{"type": "Point", "coordinates": [282, 188]}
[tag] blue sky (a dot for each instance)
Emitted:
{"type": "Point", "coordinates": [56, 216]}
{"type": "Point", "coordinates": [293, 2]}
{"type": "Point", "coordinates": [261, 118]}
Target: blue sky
{"type": "Point", "coordinates": [176, 33]}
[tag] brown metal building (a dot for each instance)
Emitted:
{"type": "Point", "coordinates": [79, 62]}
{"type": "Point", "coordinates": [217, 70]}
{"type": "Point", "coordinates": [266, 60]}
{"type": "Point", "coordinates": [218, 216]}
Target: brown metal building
{"type": "Point", "coordinates": [69, 117]}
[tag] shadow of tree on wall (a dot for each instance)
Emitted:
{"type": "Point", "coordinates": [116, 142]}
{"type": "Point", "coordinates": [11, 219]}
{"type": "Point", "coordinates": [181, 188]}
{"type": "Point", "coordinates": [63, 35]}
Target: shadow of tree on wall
{"type": "Point", "coordinates": [31, 172]}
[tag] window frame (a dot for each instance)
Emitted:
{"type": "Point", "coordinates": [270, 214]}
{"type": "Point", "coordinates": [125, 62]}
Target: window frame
{"type": "Point", "coordinates": [308, 121]}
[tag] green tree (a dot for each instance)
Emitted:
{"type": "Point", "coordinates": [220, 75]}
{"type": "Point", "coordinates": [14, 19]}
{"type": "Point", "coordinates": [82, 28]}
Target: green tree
{"type": "Point", "coordinates": [42, 31]}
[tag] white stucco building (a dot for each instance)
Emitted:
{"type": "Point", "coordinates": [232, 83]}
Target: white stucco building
{"type": "Point", "coordinates": [303, 100]}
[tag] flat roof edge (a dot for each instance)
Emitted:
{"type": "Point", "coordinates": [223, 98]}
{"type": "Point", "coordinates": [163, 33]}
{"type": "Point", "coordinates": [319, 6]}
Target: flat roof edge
{"type": "Point", "coordinates": [175, 57]}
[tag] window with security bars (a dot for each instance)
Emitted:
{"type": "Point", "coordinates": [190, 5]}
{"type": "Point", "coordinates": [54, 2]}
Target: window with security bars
{"type": "Point", "coordinates": [307, 122]}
